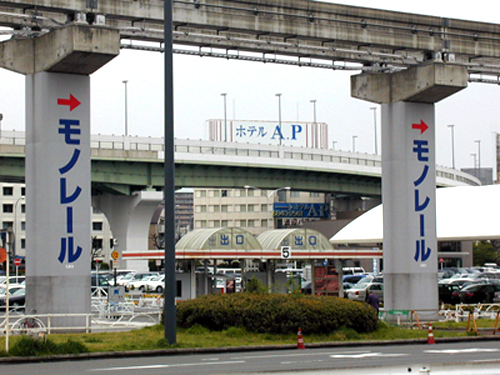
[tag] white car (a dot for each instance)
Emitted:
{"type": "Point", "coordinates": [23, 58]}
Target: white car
{"type": "Point", "coordinates": [142, 284]}
{"type": "Point", "coordinates": [156, 284]}
{"type": "Point", "coordinates": [359, 292]}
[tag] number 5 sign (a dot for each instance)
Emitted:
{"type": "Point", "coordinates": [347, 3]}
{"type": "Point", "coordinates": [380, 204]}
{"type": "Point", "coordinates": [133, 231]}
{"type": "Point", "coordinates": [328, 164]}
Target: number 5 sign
{"type": "Point", "coordinates": [286, 252]}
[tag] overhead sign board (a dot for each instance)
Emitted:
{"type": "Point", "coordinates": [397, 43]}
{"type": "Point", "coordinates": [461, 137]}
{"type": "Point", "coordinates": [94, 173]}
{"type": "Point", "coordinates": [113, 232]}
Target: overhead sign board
{"type": "Point", "coordinates": [301, 210]}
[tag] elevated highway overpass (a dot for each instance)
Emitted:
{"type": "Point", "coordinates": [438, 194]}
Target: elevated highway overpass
{"type": "Point", "coordinates": [122, 165]}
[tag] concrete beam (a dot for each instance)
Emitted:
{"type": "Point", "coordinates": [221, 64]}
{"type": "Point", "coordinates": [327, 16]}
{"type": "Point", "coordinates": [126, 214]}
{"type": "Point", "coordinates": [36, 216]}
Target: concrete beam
{"type": "Point", "coordinates": [428, 83]}
{"type": "Point", "coordinates": [76, 49]}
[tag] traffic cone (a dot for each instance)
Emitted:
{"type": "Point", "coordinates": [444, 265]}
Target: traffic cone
{"type": "Point", "coordinates": [300, 340]}
{"type": "Point", "coordinates": [430, 336]}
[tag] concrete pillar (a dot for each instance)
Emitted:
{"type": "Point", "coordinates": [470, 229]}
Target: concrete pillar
{"type": "Point", "coordinates": [130, 219]}
{"type": "Point", "coordinates": [57, 67]}
{"type": "Point", "coordinates": [409, 178]}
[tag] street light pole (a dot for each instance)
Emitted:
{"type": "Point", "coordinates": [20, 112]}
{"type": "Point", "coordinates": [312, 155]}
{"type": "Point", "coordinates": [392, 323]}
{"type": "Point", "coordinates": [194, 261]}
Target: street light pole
{"type": "Point", "coordinates": [224, 95]}
{"type": "Point", "coordinates": [313, 101]}
{"type": "Point", "coordinates": [279, 115]}
{"type": "Point", "coordinates": [126, 108]}
{"type": "Point", "coordinates": [268, 197]}
{"type": "Point", "coordinates": [478, 154]}
{"type": "Point", "coordinates": [374, 109]}
{"type": "Point", "coordinates": [452, 127]}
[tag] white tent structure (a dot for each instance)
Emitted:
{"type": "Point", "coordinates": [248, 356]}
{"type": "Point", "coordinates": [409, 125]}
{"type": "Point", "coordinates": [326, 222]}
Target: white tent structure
{"type": "Point", "coordinates": [462, 213]}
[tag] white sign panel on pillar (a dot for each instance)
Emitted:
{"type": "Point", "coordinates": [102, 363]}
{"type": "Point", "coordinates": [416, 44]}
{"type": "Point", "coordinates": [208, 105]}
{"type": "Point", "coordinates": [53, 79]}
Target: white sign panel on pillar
{"type": "Point", "coordinates": [409, 185]}
{"type": "Point", "coordinates": [58, 192]}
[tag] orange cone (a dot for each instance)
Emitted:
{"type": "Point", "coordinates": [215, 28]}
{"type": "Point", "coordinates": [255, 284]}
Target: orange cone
{"type": "Point", "coordinates": [300, 340]}
{"type": "Point", "coordinates": [430, 336]}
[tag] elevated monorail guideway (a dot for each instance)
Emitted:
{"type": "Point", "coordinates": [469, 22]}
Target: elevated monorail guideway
{"type": "Point", "coordinates": [298, 32]}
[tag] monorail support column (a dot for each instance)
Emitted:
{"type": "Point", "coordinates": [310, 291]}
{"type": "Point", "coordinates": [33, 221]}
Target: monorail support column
{"type": "Point", "coordinates": [57, 66]}
{"type": "Point", "coordinates": [130, 220]}
{"type": "Point", "coordinates": [409, 178]}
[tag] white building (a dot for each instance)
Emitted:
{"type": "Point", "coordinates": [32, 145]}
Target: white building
{"type": "Point", "coordinates": [250, 208]}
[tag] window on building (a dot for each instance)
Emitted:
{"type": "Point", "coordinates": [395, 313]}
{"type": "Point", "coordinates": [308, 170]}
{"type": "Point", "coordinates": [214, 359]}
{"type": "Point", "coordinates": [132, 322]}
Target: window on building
{"type": "Point", "coordinates": [263, 223]}
{"type": "Point", "coordinates": [23, 208]}
{"type": "Point", "coordinates": [8, 208]}
{"type": "Point", "coordinates": [251, 223]}
{"type": "Point", "coordinates": [202, 223]}
{"type": "Point", "coordinates": [8, 190]}
{"type": "Point", "coordinates": [224, 223]}
{"type": "Point", "coordinates": [294, 194]}
{"type": "Point", "coordinates": [23, 191]}
{"type": "Point", "coordinates": [243, 223]}
{"type": "Point", "coordinates": [242, 208]}
{"type": "Point", "coordinates": [97, 225]}
{"type": "Point", "coordinates": [7, 224]}
{"type": "Point", "coordinates": [224, 208]}
{"type": "Point", "coordinates": [224, 193]}
{"type": "Point", "coordinates": [201, 208]}
{"type": "Point", "coordinates": [215, 223]}
{"type": "Point", "coordinates": [23, 243]}
{"type": "Point", "coordinates": [243, 192]}
{"type": "Point", "coordinates": [251, 193]}
{"type": "Point", "coordinates": [251, 207]}
{"type": "Point", "coordinates": [314, 195]}
{"type": "Point", "coordinates": [23, 225]}
{"type": "Point", "coordinates": [263, 207]}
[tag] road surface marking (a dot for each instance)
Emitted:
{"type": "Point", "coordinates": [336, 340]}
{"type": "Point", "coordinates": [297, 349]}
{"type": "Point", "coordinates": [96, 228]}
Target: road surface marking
{"type": "Point", "coordinates": [165, 366]}
{"type": "Point", "coordinates": [367, 355]}
{"type": "Point", "coordinates": [458, 351]}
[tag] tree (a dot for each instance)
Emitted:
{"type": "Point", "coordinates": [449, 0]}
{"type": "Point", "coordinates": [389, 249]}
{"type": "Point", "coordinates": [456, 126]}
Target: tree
{"type": "Point", "coordinates": [486, 252]}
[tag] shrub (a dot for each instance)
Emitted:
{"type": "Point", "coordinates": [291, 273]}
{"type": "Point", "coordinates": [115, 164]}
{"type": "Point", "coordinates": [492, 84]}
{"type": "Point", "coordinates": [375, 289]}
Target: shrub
{"type": "Point", "coordinates": [276, 313]}
{"type": "Point", "coordinates": [27, 346]}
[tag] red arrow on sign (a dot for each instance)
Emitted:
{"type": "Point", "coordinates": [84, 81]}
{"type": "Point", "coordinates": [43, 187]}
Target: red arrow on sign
{"type": "Point", "coordinates": [72, 102]}
{"type": "Point", "coordinates": [422, 126]}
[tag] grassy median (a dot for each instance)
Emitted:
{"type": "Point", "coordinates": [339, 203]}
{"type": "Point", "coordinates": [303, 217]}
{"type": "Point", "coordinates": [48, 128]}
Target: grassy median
{"type": "Point", "coordinates": [151, 338]}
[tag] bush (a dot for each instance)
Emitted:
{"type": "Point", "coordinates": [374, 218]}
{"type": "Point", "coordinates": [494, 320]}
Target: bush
{"type": "Point", "coordinates": [276, 313]}
{"type": "Point", "coordinates": [27, 346]}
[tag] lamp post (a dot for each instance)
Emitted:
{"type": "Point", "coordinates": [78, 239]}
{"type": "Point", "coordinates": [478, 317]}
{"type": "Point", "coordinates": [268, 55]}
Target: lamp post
{"type": "Point", "coordinates": [15, 226]}
{"type": "Point", "coordinates": [313, 101]}
{"type": "Point", "coordinates": [126, 108]}
{"type": "Point", "coordinates": [268, 197]}
{"type": "Point", "coordinates": [279, 114]}
{"type": "Point", "coordinates": [478, 154]}
{"type": "Point", "coordinates": [354, 143]}
{"type": "Point", "coordinates": [374, 109]}
{"type": "Point", "coordinates": [224, 95]}
{"type": "Point", "coordinates": [475, 160]}
{"type": "Point", "coordinates": [452, 127]}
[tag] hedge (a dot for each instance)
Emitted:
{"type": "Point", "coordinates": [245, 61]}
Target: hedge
{"type": "Point", "coordinates": [276, 313]}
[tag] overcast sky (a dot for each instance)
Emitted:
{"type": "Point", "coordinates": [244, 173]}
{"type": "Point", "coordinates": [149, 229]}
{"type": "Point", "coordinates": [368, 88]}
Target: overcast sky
{"type": "Point", "coordinates": [251, 89]}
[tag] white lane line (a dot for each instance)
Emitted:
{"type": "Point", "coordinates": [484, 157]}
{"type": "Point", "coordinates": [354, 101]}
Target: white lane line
{"type": "Point", "coordinates": [302, 354]}
{"type": "Point", "coordinates": [368, 355]}
{"type": "Point", "coordinates": [164, 366]}
{"type": "Point", "coordinates": [459, 351]}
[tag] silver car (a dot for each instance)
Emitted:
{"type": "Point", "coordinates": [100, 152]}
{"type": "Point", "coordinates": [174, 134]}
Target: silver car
{"type": "Point", "coordinates": [360, 292]}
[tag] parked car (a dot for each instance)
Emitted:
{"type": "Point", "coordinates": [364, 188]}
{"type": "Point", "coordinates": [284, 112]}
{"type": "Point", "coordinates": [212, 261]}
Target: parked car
{"type": "Point", "coordinates": [142, 283]}
{"type": "Point", "coordinates": [98, 280]}
{"type": "Point", "coordinates": [13, 280]}
{"type": "Point", "coordinates": [17, 300]}
{"type": "Point", "coordinates": [479, 293]}
{"type": "Point", "coordinates": [446, 291]}
{"type": "Point", "coordinates": [359, 292]}
{"type": "Point", "coordinates": [157, 284]}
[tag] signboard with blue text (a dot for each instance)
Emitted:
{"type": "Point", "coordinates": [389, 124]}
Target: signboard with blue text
{"type": "Point", "coordinates": [301, 210]}
{"type": "Point", "coordinates": [58, 192]}
{"type": "Point", "coordinates": [286, 133]}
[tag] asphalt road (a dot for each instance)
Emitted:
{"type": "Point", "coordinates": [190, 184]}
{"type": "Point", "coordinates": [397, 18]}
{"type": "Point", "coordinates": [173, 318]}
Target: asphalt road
{"type": "Point", "coordinates": [478, 357]}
